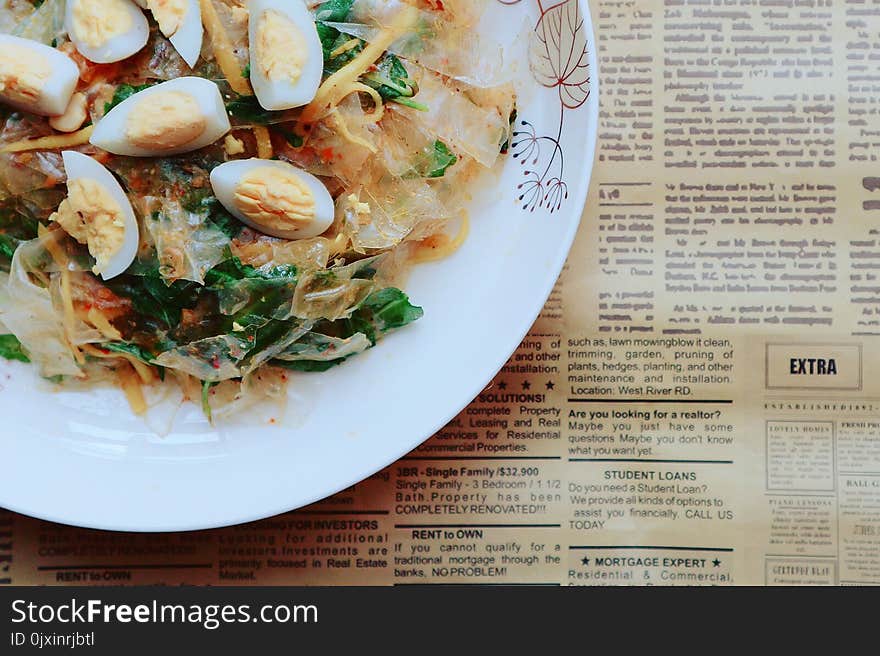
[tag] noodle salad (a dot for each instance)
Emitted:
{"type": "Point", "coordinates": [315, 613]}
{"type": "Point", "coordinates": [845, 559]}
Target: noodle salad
{"type": "Point", "coordinates": [223, 194]}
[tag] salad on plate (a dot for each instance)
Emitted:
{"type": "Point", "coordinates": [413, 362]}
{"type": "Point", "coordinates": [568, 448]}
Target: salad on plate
{"type": "Point", "coordinates": [225, 194]}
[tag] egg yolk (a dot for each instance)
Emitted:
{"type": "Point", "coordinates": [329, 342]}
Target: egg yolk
{"type": "Point", "coordinates": [96, 22]}
{"type": "Point", "coordinates": [90, 215]}
{"type": "Point", "coordinates": [275, 198]}
{"type": "Point", "coordinates": [168, 13]}
{"type": "Point", "coordinates": [23, 74]}
{"type": "Point", "coordinates": [281, 49]}
{"type": "Point", "coordinates": [165, 120]}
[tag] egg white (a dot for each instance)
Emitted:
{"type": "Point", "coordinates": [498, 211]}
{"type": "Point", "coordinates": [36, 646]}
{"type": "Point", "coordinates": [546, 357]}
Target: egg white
{"type": "Point", "coordinates": [283, 94]}
{"type": "Point", "coordinates": [117, 48]}
{"type": "Point", "coordinates": [60, 85]}
{"type": "Point", "coordinates": [79, 167]}
{"type": "Point", "coordinates": [110, 131]}
{"type": "Point", "coordinates": [188, 38]}
{"type": "Point", "coordinates": [226, 177]}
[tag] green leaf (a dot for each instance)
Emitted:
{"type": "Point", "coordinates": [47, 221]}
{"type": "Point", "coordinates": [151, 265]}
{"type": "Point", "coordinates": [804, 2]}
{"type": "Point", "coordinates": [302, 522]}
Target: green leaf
{"type": "Point", "coordinates": [309, 365]}
{"type": "Point", "coordinates": [409, 102]}
{"type": "Point", "coordinates": [124, 92]}
{"type": "Point", "coordinates": [269, 333]}
{"type": "Point", "coordinates": [334, 11]}
{"type": "Point", "coordinates": [382, 311]}
{"type": "Point", "coordinates": [246, 71]}
{"type": "Point", "coordinates": [226, 223]}
{"type": "Point", "coordinates": [196, 199]}
{"type": "Point", "coordinates": [232, 270]}
{"type": "Point", "coordinates": [433, 162]}
{"type": "Point", "coordinates": [391, 79]}
{"type": "Point", "coordinates": [131, 349]}
{"type": "Point", "coordinates": [333, 40]}
{"type": "Point", "coordinates": [152, 298]}
{"type": "Point", "coordinates": [216, 215]}
{"type": "Point", "coordinates": [287, 271]}
{"type": "Point", "coordinates": [247, 109]}
{"type": "Point", "coordinates": [294, 140]}
{"type": "Point", "coordinates": [11, 349]}
{"type": "Point", "coordinates": [391, 309]}
{"type": "Point", "coordinates": [228, 271]}
{"type": "Point", "coordinates": [201, 201]}
{"type": "Point", "coordinates": [7, 249]}
{"type": "Point", "coordinates": [257, 303]}
{"type": "Point", "coordinates": [17, 221]}
{"type": "Point", "coordinates": [328, 36]}
{"type": "Point", "coordinates": [206, 402]}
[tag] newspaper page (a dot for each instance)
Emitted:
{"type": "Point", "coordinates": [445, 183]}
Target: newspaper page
{"type": "Point", "coordinates": [695, 405]}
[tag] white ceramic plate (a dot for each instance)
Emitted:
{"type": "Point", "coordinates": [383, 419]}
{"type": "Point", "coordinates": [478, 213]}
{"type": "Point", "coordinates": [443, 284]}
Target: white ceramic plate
{"type": "Point", "coordinates": [82, 458]}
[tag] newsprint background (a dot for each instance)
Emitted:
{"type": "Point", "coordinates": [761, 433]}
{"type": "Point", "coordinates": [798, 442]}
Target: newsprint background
{"type": "Point", "coordinates": [698, 403]}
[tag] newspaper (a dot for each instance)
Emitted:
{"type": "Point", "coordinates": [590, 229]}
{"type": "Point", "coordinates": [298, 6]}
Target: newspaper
{"type": "Point", "coordinates": [696, 403]}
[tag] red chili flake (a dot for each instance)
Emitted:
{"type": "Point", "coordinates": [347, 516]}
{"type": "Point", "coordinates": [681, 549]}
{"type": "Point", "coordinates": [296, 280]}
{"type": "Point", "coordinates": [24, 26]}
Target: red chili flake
{"type": "Point", "coordinates": [327, 154]}
{"type": "Point", "coordinates": [215, 362]}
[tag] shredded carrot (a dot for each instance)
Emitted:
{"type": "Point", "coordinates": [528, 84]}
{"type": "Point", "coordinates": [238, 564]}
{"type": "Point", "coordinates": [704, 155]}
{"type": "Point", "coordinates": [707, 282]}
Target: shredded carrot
{"type": "Point", "coordinates": [131, 385]}
{"type": "Point", "coordinates": [340, 124]}
{"type": "Point", "coordinates": [345, 47]}
{"type": "Point", "coordinates": [223, 50]}
{"type": "Point", "coordinates": [192, 388]}
{"type": "Point", "coordinates": [99, 321]}
{"type": "Point", "coordinates": [378, 106]}
{"type": "Point", "coordinates": [50, 243]}
{"type": "Point", "coordinates": [69, 316]}
{"type": "Point", "coordinates": [51, 142]}
{"type": "Point", "coordinates": [264, 142]}
{"type": "Point", "coordinates": [144, 371]}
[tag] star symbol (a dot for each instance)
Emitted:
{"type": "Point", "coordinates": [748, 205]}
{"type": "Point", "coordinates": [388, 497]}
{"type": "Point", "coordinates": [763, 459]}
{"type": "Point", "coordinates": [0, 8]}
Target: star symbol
{"type": "Point", "coordinates": [502, 385]}
{"type": "Point", "coordinates": [526, 385]}
{"type": "Point", "coordinates": [550, 384]}
{"type": "Point", "coordinates": [585, 560]}
{"type": "Point", "coordinates": [716, 563]}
